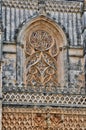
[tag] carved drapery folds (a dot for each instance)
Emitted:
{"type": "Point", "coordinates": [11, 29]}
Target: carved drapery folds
{"type": "Point", "coordinates": [44, 53]}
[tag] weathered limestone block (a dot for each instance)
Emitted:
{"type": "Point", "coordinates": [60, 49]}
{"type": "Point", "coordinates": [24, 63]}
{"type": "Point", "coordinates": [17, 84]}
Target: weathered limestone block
{"type": "Point", "coordinates": [9, 69]}
{"type": "Point", "coordinates": [25, 98]}
{"type": "Point", "coordinates": [76, 52]}
{"type": "Point", "coordinates": [9, 48]}
{"type": "Point", "coordinates": [77, 70]}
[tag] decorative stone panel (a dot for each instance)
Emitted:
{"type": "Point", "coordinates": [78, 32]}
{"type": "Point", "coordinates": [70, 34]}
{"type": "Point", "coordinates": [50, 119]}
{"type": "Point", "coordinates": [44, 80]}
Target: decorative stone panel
{"type": "Point", "coordinates": [69, 6]}
{"type": "Point", "coordinates": [41, 58]}
{"type": "Point", "coordinates": [43, 118]}
{"type": "Point", "coordinates": [37, 99]}
{"type": "Point", "coordinates": [42, 55]}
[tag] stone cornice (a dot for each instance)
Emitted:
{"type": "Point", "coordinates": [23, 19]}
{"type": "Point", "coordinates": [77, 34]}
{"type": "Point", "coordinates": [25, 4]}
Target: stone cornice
{"type": "Point", "coordinates": [50, 5]}
{"type": "Point", "coordinates": [21, 4]}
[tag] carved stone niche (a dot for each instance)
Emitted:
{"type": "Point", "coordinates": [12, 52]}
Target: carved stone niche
{"type": "Point", "coordinates": [41, 55]}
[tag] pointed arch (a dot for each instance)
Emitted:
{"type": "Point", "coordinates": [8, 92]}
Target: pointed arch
{"type": "Point", "coordinates": [39, 19]}
{"type": "Point", "coordinates": [46, 51]}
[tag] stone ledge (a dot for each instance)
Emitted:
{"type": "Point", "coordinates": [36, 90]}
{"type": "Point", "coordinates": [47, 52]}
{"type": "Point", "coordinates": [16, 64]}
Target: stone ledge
{"type": "Point", "coordinates": [76, 52]}
{"type": "Point", "coordinates": [44, 118]}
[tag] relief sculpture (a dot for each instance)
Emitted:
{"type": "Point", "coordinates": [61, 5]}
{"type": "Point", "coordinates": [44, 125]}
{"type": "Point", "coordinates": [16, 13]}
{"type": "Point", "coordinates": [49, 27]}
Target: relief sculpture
{"type": "Point", "coordinates": [41, 60]}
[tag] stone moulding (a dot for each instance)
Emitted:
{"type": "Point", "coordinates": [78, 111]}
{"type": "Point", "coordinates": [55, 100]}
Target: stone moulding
{"type": "Point", "coordinates": [28, 99]}
{"type": "Point", "coordinates": [66, 111]}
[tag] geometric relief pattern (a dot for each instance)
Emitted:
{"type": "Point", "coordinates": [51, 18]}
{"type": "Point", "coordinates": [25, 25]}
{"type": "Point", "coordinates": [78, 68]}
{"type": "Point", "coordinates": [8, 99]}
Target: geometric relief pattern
{"type": "Point", "coordinates": [41, 60]}
{"type": "Point", "coordinates": [43, 119]}
{"type": "Point", "coordinates": [37, 99]}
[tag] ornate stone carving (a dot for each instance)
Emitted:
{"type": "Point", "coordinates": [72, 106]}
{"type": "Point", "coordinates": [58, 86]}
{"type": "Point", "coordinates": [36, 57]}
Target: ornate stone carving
{"type": "Point", "coordinates": [41, 40]}
{"type": "Point", "coordinates": [55, 119]}
{"type": "Point", "coordinates": [39, 119]}
{"type": "Point", "coordinates": [51, 5]}
{"type": "Point", "coordinates": [43, 118]}
{"type": "Point", "coordinates": [42, 102]}
{"type": "Point", "coordinates": [41, 60]}
{"type": "Point", "coordinates": [42, 99]}
{"type": "Point", "coordinates": [63, 6]}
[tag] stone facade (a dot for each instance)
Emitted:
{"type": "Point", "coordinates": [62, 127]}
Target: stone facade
{"type": "Point", "coordinates": [42, 65]}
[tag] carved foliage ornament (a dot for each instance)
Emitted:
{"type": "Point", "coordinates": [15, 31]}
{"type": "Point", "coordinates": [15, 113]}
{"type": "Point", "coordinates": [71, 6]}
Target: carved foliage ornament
{"type": "Point", "coordinates": [41, 59]}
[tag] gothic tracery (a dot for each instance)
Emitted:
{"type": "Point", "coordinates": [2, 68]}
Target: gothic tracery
{"type": "Point", "coordinates": [41, 59]}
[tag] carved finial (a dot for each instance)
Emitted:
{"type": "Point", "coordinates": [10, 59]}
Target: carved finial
{"type": "Point", "coordinates": [41, 7]}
